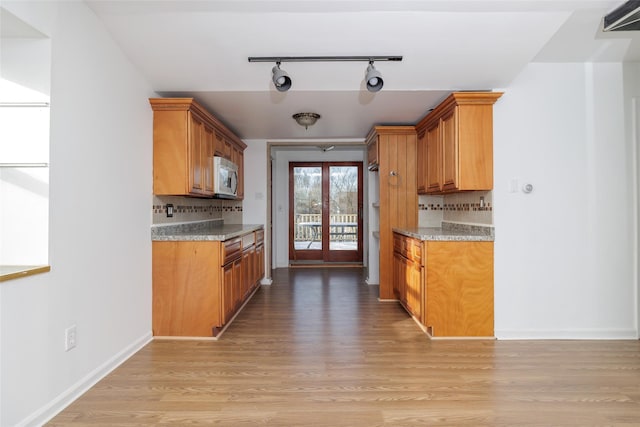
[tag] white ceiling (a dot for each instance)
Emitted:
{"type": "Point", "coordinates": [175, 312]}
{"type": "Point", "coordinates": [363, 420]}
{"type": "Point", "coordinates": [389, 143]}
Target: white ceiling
{"type": "Point", "coordinates": [200, 49]}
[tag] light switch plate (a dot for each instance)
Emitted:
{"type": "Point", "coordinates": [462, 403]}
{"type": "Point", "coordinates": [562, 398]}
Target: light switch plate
{"type": "Point", "coordinates": [513, 185]}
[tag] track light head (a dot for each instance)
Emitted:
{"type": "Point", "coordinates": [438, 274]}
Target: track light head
{"type": "Point", "coordinates": [373, 78]}
{"type": "Point", "coordinates": [281, 79]}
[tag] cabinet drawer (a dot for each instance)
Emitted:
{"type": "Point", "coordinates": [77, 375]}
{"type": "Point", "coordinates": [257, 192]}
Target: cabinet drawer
{"type": "Point", "coordinates": [398, 244]}
{"type": "Point", "coordinates": [248, 240]}
{"type": "Point", "coordinates": [408, 247]}
{"type": "Point", "coordinates": [413, 248]}
{"type": "Point", "coordinates": [232, 249]}
{"type": "Point", "coordinates": [259, 237]}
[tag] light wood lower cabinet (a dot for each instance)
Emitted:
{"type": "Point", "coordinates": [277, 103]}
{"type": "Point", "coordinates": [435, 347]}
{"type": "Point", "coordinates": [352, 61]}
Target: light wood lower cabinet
{"type": "Point", "coordinates": [446, 285]}
{"type": "Point", "coordinates": [198, 286]}
{"type": "Point", "coordinates": [408, 273]}
{"type": "Point", "coordinates": [232, 277]}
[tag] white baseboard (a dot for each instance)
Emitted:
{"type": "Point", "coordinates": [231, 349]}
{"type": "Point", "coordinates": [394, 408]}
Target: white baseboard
{"type": "Point", "coordinates": [566, 334]}
{"type": "Point", "coordinates": [64, 399]}
{"type": "Point", "coordinates": [266, 281]}
{"type": "Point", "coordinates": [371, 281]}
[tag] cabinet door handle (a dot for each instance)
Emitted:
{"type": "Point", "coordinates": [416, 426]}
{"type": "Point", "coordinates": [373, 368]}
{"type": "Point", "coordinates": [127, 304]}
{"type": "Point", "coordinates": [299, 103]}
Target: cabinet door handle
{"type": "Point", "coordinates": [394, 175]}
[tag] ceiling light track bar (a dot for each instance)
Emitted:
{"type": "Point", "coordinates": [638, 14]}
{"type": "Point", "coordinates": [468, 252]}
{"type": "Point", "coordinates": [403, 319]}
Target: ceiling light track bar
{"type": "Point", "coordinates": [279, 59]}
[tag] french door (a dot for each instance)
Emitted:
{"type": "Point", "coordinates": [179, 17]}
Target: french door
{"type": "Point", "coordinates": [325, 211]}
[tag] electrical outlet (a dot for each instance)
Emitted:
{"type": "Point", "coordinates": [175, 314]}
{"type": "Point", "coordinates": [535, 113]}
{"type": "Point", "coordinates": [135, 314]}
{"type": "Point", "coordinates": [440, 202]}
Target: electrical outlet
{"type": "Point", "coordinates": [70, 336]}
{"type": "Point", "coordinates": [169, 210]}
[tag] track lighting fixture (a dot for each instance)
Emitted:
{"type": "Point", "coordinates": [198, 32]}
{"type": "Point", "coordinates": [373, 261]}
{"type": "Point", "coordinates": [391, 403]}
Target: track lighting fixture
{"type": "Point", "coordinates": [280, 78]}
{"type": "Point", "coordinates": [373, 78]}
{"type": "Point", "coordinates": [282, 81]}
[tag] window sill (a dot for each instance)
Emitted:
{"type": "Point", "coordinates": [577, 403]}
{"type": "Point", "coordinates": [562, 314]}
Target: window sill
{"type": "Point", "coordinates": [10, 272]}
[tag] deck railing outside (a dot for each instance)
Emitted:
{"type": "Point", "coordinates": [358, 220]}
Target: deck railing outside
{"type": "Point", "coordinates": [306, 232]}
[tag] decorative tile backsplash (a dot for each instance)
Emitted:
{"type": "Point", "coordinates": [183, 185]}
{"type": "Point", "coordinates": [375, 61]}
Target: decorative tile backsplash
{"type": "Point", "coordinates": [458, 207]}
{"type": "Point", "coordinates": [192, 209]}
{"type": "Point", "coordinates": [182, 209]}
{"type": "Point", "coordinates": [430, 212]}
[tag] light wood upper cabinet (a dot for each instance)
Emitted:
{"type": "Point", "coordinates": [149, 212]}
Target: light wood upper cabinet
{"type": "Point", "coordinates": [421, 168]}
{"type": "Point", "coordinates": [223, 147]}
{"type": "Point", "coordinates": [429, 160]}
{"type": "Point", "coordinates": [459, 143]}
{"type": "Point", "coordinates": [200, 146]}
{"type": "Point", "coordinates": [196, 151]}
{"type": "Point", "coordinates": [185, 139]}
{"type": "Point", "coordinates": [207, 157]}
{"type": "Point", "coordinates": [450, 144]}
{"type": "Point", "coordinates": [434, 158]}
{"type": "Point", "coordinates": [237, 157]}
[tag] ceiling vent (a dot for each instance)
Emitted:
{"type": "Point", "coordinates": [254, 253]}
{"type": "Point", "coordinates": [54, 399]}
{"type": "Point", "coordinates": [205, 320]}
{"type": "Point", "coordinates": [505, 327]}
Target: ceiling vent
{"type": "Point", "coordinates": [624, 18]}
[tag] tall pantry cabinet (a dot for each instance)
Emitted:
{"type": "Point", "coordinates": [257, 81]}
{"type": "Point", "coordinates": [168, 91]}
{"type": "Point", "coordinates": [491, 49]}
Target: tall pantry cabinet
{"type": "Point", "coordinates": [392, 152]}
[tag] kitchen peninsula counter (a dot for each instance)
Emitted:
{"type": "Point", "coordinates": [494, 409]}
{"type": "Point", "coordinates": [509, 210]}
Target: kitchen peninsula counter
{"type": "Point", "coordinates": [450, 232]}
{"type": "Point", "coordinates": [443, 276]}
{"type": "Point", "coordinates": [213, 230]}
{"type": "Point", "coordinates": [203, 274]}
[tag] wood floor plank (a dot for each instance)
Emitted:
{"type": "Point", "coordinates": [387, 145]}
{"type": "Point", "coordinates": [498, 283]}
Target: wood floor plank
{"type": "Point", "coordinates": [316, 348]}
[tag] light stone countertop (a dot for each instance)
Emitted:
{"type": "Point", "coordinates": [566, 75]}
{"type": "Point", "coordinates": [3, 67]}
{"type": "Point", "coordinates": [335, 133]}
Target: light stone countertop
{"type": "Point", "coordinates": [450, 232]}
{"type": "Point", "coordinates": [214, 230]}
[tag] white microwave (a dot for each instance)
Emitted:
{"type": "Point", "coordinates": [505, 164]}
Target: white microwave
{"type": "Point", "coordinates": [225, 178]}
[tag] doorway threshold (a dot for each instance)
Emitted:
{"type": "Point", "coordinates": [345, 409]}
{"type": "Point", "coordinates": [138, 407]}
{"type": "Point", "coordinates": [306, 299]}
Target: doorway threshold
{"type": "Point", "coordinates": [311, 264]}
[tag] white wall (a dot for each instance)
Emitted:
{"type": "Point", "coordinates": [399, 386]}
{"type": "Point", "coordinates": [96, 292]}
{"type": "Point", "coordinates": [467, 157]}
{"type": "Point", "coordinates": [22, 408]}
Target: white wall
{"type": "Point", "coordinates": [632, 99]}
{"type": "Point", "coordinates": [254, 205]}
{"type": "Point", "coordinates": [280, 196]}
{"type": "Point", "coordinates": [100, 216]}
{"type": "Point", "coordinates": [565, 254]}
{"type": "Point", "coordinates": [373, 215]}
{"type": "Point", "coordinates": [636, 139]}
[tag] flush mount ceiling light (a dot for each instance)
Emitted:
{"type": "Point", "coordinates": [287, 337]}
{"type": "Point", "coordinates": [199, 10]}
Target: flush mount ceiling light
{"type": "Point", "coordinates": [282, 81]}
{"type": "Point", "coordinates": [306, 119]}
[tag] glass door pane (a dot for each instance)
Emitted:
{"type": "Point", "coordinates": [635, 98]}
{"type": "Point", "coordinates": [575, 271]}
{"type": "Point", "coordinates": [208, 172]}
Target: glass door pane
{"type": "Point", "coordinates": [307, 208]}
{"type": "Point", "coordinates": [343, 208]}
{"type": "Point", "coordinates": [325, 212]}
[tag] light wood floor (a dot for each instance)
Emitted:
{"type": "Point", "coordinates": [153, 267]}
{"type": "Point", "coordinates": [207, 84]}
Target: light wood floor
{"type": "Point", "coordinates": [317, 349]}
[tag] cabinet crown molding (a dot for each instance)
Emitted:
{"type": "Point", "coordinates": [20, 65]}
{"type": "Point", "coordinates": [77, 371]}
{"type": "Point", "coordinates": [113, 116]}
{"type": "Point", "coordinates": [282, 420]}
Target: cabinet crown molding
{"type": "Point", "coordinates": [458, 98]}
{"type": "Point", "coordinates": [389, 130]}
{"type": "Point", "coordinates": [190, 104]}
